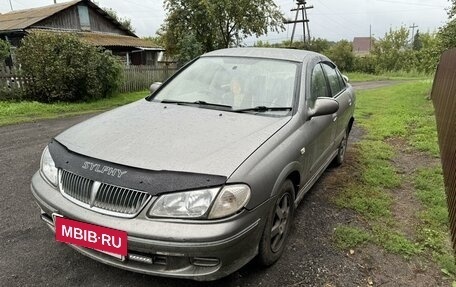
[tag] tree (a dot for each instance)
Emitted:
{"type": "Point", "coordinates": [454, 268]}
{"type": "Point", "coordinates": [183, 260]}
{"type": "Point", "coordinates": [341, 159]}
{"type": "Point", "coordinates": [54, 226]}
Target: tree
{"type": "Point", "coordinates": [263, 44]}
{"type": "Point", "coordinates": [125, 22]}
{"type": "Point", "coordinates": [236, 20]}
{"type": "Point", "coordinates": [318, 45]}
{"type": "Point", "coordinates": [447, 35]}
{"type": "Point", "coordinates": [188, 49]}
{"type": "Point", "coordinates": [452, 10]}
{"type": "Point", "coordinates": [392, 52]}
{"type": "Point", "coordinates": [417, 43]}
{"type": "Point", "coordinates": [428, 56]}
{"type": "Point", "coordinates": [342, 54]}
{"type": "Point", "coordinates": [63, 68]}
{"type": "Point", "coordinates": [217, 24]}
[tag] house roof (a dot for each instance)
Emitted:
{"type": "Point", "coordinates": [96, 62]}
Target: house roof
{"type": "Point", "coordinates": [106, 40]}
{"type": "Point", "coordinates": [111, 40]}
{"type": "Point", "coordinates": [22, 19]}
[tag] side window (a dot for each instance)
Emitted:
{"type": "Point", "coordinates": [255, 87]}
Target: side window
{"type": "Point", "coordinates": [318, 87]}
{"type": "Point", "coordinates": [341, 80]}
{"type": "Point", "coordinates": [333, 79]}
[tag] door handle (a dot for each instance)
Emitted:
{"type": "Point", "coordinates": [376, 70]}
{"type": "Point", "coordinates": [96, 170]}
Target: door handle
{"type": "Point", "coordinates": [349, 102]}
{"type": "Point", "coordinates": [335, 118]}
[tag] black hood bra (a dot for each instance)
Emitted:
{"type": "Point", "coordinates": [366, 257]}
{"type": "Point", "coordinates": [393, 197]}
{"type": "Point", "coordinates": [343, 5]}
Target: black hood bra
{"type": "Point", "coordinates": [153, 182]}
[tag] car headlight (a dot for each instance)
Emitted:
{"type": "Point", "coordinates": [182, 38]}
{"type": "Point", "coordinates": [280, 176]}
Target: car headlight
{"type": "Point", "coordinates": [195, 204]}
{"type": "Point", "coordinates": [48, 169]}
{"type": "Point", "coordinates": [190, 204]}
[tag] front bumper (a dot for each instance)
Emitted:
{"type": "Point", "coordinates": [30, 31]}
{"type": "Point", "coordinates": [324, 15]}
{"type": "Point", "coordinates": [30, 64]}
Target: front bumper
{"type": "Point", "coordinates": [198, 250]}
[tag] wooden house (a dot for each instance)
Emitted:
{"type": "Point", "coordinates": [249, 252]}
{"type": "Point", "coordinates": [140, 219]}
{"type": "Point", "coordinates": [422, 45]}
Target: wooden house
{"type": "Point", "coordinates": [84, 18]}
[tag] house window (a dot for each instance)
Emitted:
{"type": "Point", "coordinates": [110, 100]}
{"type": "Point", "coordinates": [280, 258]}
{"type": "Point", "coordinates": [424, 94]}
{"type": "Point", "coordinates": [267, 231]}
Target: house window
{"type": "Point", "coordinates": [84, 18]}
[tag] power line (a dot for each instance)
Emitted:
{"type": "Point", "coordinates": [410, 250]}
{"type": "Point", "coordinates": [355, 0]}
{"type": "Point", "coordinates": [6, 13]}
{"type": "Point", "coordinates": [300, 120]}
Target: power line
{"type": "Point", "coordinates": [410, 3]}
{"type": "Point", "coordinates": [343, 20]}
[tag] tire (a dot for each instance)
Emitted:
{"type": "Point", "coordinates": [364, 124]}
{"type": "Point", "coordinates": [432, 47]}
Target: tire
{"type": "Point", "coordinates": [341, 150]}
{"type": "Point", "coordinates": [278, 226]}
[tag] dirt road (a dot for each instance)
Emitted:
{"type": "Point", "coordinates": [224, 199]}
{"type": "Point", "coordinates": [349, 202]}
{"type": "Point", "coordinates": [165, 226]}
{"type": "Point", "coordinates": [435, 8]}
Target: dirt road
{"type": "Point", "coordinates": [373, 84]}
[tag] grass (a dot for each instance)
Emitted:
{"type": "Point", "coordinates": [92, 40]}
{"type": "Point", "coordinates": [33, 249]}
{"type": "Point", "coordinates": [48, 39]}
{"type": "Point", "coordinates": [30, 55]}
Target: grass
{"type": "Point", "coordinates": [350, 237]}
{"type": "Point", "coordinates": [400, 75]}
{"type": "Point", "coordinates": [26, 111]}
{"type": "Point", "coordinates": [434, 234]}
{"type": "Point", "coordinates": [392, 116]}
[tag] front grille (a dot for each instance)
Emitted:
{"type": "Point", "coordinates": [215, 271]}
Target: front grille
{"type": "Point", "coordinates": [76, 186]}
{"type": "Point", "coordinates": [119, 199]}
{"type": "Point", "coordinates": [102, 197]}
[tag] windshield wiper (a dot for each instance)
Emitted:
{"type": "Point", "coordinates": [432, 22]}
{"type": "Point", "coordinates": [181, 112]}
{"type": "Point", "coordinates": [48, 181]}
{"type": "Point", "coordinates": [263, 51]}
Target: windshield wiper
{"type": "Point", "coordinates": [262, 109]}
{"type": "Point", "coordinates": [199, 103]}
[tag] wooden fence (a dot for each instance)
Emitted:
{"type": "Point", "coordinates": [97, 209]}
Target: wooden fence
{"type": "Point", "coordinates": [444, 99]}
{"type": "Point", "coordinates": [12, 83]}
{"type": "Point", "coordinates": [138, 78]}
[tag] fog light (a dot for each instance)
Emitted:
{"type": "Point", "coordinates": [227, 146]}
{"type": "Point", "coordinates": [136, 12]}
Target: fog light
{"type": "Point", "coordinates": [205, 262]}
{"type": "Point", "coordinates": [140, 258]}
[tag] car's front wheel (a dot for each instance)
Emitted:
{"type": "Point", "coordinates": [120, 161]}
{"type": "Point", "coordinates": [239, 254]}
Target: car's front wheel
{"type": "Point", "coordinates": [277, 226]}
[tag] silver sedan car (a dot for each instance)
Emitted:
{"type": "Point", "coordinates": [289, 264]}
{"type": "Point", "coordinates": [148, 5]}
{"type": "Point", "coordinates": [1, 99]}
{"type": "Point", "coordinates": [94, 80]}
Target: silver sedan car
{"type": "Point", "coordinates": [204, 174]}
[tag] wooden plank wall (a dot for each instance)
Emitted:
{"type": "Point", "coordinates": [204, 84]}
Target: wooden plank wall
{"type": "Point", "coordinates": [67, 20]}
{"type": "Point", "coordinates": [444, 99]}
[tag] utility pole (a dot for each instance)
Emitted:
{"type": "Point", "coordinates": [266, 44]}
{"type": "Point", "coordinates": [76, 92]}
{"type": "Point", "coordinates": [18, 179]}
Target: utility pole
{"type": "Point", "coordinates": [11, 5]}
{"type": "Point", "coordinates": [413, 32]}
{"type": "Point", "coordinates": [301, 7]}
{"type": "Point", "coordinates": [370, 37]}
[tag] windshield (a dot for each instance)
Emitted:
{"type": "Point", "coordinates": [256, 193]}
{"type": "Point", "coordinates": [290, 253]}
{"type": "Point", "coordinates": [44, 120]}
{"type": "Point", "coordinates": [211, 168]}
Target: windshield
{"type": "Point", "coordinates": [234, 84]}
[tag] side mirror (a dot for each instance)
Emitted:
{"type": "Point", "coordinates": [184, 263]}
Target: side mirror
{"type": "Point", "coordinates": [154, 87]}
{"type": "Point", "coordinates": [346, 79]}
{"type": "Point", "coordinates": [323, 106]}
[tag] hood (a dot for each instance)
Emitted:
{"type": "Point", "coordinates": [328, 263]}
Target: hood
{"type": "Point", "coordinates": [167, 137]}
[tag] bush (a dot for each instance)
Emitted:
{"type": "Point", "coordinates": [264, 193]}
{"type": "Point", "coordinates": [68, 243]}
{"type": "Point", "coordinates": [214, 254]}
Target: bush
{"type": "Point", "coordinates": [63, 68]}
{"type": "Point", "coordinates": [342, 54]}
{"type": "Point", "coordinates": [4, 49]}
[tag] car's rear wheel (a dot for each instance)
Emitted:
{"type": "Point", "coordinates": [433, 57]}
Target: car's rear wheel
{"type": "Point", "coordinates": [277, 226]}
{"type": "Point", "coordinates": [342, 149]}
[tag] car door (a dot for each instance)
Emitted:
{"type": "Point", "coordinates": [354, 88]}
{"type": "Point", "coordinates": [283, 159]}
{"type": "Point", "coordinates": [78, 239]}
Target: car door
{"type": "Point", "coordinates": [320, 129]}
{"type": "Point", "coordinates": [342, 95]}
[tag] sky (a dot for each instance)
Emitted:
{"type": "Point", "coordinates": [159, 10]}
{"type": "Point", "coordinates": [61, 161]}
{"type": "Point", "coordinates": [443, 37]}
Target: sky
{"type": "Point", "coordinates": [329, 19]}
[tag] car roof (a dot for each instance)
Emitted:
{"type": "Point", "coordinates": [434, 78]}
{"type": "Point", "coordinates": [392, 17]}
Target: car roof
{"type": "Point", "coordinates": [268, 53]}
